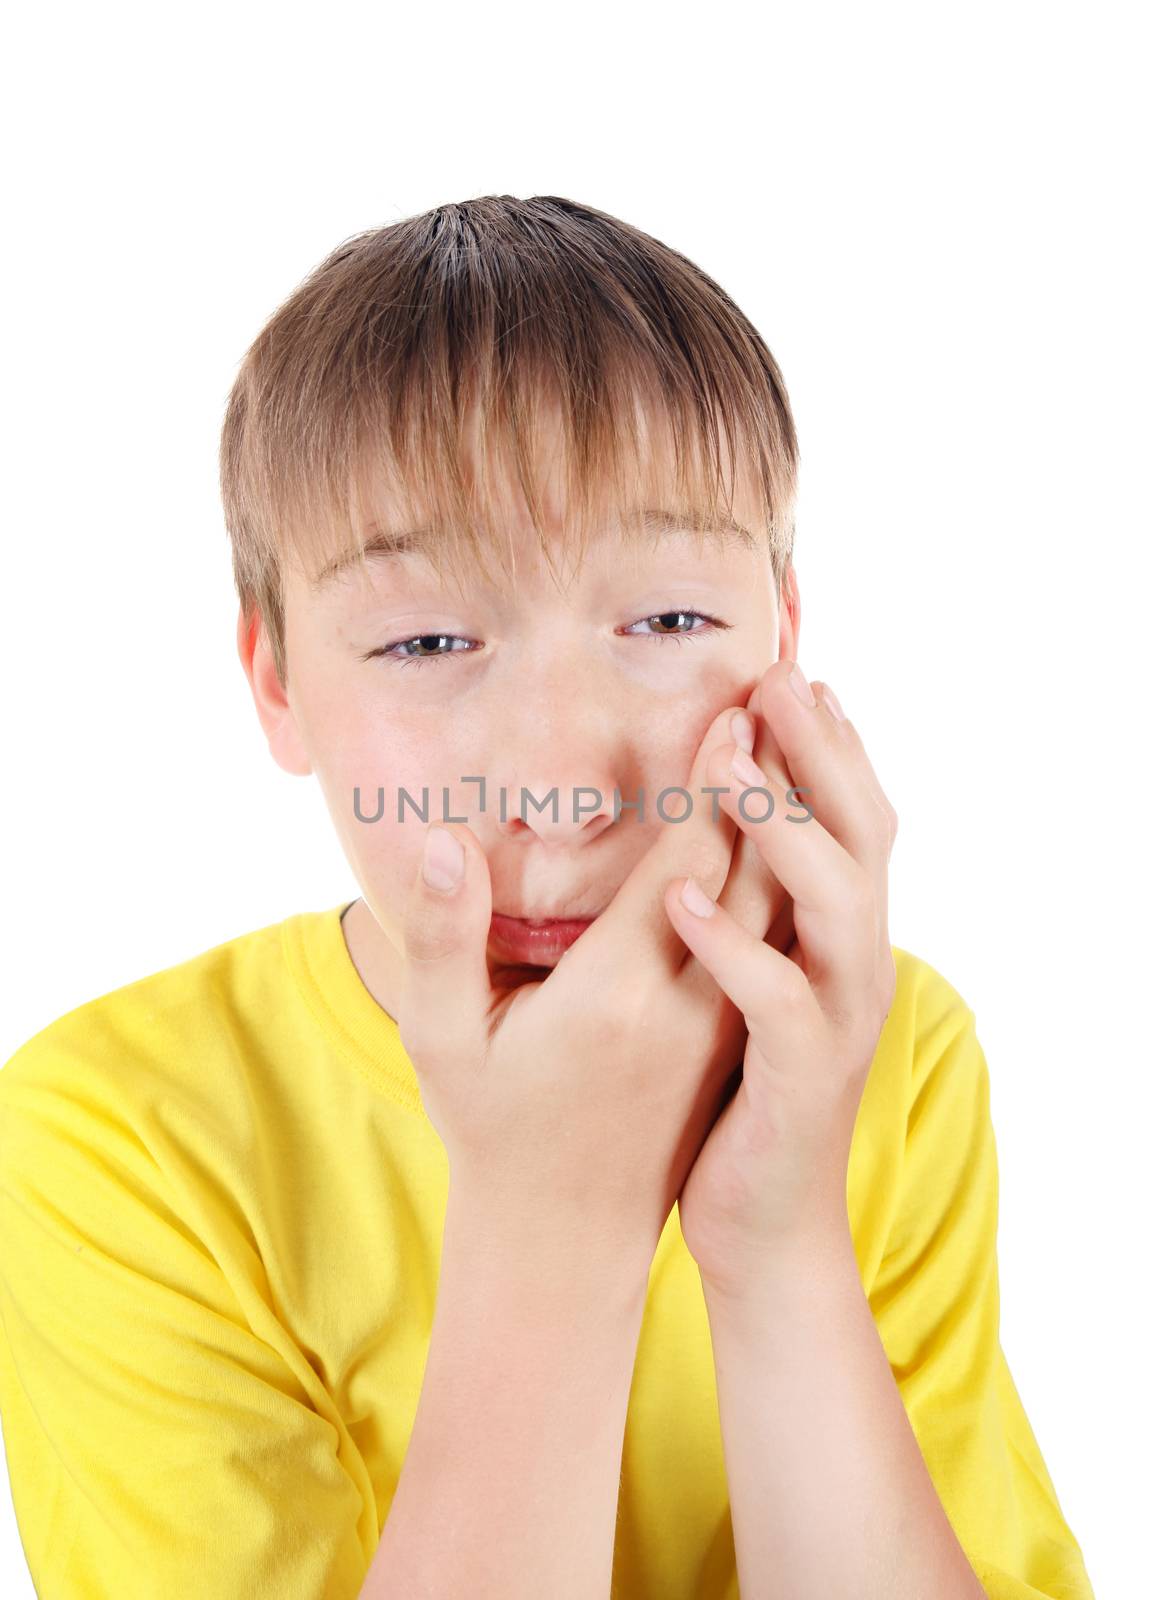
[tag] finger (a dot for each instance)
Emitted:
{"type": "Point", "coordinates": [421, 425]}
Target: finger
{"type": "Point", "coordinates": [824, 756]}
{"type": "Point", "coordinates": [757, 893]}
{"type": "Point", "coordinates": [446, 990]}
{"type": "Point", "coordinates": [782, 934]}
{"type": "Point", "coordinates": [701, 843]}
{"type": "Point", "coordinates": [761, 982]}
{"type": "Point", "coordinates": [766, 752]}
{"type": "Point", "coordinates": [834, 898]}
{"type": "Point", "coordinates": [751, 895]}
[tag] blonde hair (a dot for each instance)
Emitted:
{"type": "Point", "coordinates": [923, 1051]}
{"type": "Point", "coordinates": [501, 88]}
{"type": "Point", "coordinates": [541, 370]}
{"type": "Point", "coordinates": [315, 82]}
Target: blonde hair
{"type": "Point", "coordinates": [367, 372]}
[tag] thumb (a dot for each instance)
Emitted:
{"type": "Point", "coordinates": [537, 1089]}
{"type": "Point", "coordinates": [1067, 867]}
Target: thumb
{"type": "Point", "coordinates": [447, 986]}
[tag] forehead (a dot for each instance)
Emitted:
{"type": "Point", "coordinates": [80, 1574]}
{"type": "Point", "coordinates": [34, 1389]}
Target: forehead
{"type": "Point", "coordinates": [525, 516]}
{"type": "Point", "coordinates": [629, 541]}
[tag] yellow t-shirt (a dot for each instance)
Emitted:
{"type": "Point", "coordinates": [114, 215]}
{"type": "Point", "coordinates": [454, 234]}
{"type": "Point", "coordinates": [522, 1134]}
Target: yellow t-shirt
{"type": "Point", "coordinates": [221, 1211]}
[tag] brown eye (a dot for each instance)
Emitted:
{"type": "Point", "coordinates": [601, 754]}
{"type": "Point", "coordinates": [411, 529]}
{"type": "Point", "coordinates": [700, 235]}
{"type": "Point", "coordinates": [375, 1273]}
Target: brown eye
{"type": "Point", "coordinates": [674, 625]}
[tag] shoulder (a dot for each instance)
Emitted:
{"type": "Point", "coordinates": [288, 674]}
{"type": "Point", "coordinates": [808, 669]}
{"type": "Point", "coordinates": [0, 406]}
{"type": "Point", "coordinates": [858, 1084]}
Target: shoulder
{"type": "Point", "coordinates": [934, 1029]}
{"type": "Point", "coordinates": [924, 995]}
{"type": "Point", "coordinates": [947, 1091]}
{"type": "Point", "coordinates": [161, 1040]}
{"type": "Point", "coordinates": [919, 1110]}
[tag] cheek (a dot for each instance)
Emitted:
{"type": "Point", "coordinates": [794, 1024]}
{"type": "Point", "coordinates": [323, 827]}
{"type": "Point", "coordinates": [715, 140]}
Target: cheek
{"type": "Point", "coordinates": [379, 757]}
{"type": "Point", "coordinates": [668, 744]}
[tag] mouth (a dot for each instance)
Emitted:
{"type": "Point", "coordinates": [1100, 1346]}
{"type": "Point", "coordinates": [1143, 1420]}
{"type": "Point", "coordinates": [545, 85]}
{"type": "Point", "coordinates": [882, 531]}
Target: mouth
{"type": "Point", "coordinates": [534, 941]}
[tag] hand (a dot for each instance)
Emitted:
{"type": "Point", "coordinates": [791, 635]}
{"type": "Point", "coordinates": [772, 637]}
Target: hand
{"type": "Point", "coordinates": [572, 1108]}
{"type": "Point", "coordinates": [772, 1171]}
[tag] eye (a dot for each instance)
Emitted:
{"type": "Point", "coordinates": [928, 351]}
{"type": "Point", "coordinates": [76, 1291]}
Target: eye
{"type": "Point", "coordinates": [435, 646]}
{"type": "Point", "coordinates": [400, 650]}
{"type": "Point", "coordinates": [673, 628]}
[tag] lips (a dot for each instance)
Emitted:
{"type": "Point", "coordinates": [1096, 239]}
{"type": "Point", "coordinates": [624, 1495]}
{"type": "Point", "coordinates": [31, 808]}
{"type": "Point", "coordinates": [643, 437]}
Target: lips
{"type": "Point", "coordinates": [534, 941]}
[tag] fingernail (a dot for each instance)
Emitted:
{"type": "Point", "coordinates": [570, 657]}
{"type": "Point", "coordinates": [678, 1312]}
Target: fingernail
{"type": "Point", "coordinates": [800, 687]}
{"type": "Point", "coordinates": [832, 702]}
{"type": "Point", "coordinates": [743, 729]}
{"type": "Point", "coordinates": [747, 770]}
{"type": "Point", "coordinates": [443, 859]}
{"type": "Point", "coordinates": [694, 897]}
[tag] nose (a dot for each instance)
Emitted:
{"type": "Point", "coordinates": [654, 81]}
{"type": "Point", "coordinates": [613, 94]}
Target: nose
{"type": "Point", "coordinates": [558, 812]}
{"type": "Point", "coordinates": [560, 777]}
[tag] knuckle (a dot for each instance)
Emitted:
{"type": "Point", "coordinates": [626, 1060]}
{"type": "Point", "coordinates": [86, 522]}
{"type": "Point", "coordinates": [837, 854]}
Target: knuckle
{"type": "Point", "coordinates": [888, 823]}
{"type": "Point", "coordinates": [707, 861]}
{"type": "Point", "coordinates": [796, 992]}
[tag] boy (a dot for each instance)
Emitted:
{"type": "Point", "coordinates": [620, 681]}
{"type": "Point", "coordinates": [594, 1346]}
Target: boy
{"type": "Point", "coordinates": [600, 1202]}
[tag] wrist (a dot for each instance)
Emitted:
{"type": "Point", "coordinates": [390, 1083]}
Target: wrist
{"type": "Point", "coordinates": [796, 1277]}
{"type": "Point", "coordinates": [527, 1250]}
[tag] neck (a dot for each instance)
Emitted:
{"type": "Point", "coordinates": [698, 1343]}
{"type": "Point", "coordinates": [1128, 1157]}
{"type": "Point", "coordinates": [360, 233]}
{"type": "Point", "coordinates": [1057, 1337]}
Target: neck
{"type": "Point", "coordinates": [375, 958]}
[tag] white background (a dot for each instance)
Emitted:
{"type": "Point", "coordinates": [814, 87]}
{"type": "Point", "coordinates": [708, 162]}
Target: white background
{"type": "Point", "coordinates": [940, 220]}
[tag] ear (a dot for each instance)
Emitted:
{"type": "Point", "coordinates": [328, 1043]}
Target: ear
{"type": "Point", "coordinates": [275, 713]}
{"type": "Point", "coordinates": [790, 615]}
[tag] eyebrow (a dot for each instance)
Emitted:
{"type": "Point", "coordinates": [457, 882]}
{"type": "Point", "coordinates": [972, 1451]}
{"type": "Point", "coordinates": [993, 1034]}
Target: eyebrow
{"type": "Point", "coordinates": [383, 545]}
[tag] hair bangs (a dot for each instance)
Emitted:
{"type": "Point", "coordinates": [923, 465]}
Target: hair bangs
{"type": "Point", "coordinates": [439, 382]}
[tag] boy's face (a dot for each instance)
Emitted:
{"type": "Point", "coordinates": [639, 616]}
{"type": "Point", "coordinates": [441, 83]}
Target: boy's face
{"type": "Point", "coordinates": [603, 682]}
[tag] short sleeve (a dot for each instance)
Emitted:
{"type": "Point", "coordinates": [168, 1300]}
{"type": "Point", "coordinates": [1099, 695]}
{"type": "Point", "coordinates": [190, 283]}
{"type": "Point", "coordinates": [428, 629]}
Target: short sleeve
{"type": "Point", "coordinates": [935, 1300]}
{"type": "Point", "coordinates": [157, 1445]}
